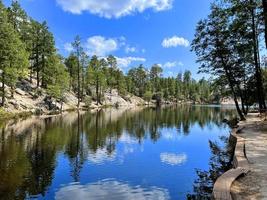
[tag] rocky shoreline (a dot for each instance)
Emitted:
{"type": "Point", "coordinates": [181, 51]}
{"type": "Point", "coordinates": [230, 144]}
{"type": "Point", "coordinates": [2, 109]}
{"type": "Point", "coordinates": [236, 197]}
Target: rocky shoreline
{"type": "Point", "coordinates": [26, 98]}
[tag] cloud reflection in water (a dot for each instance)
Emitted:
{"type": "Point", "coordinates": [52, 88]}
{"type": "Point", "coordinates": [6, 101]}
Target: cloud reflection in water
{"type": "Point", "coordinates": [111, 189]}
{"type": "Point", "coordinates": [173, 159]}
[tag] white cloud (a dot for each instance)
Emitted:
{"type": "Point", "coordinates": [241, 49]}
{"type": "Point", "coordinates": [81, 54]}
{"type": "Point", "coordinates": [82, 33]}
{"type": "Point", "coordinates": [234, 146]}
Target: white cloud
{"type": "Point", "coordinates": [126, 61]}
{"type": "Point", "coordinates": [101, 46]}
{"type": "Point", "coordinates": [68, 47]}
{"type": "Point", "coordinates": [174, 42]}
{"type": "Point", "coordinates": [122, 41]}
{"type": "Point", "coordinates": [111, 189]}
{"type": "Point", "coordinates": [172, 64]}
{"type": "Point", "coordinates": [173, 159]}
{"type": "Point", "coordinates": [129, 49]}
{"type": "Point", "coordinates": [114, 8]}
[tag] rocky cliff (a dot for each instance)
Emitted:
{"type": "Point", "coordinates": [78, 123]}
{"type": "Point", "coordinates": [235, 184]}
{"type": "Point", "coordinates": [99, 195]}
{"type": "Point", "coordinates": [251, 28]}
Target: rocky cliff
{"type": "Point", "coordinates": [27, 98]}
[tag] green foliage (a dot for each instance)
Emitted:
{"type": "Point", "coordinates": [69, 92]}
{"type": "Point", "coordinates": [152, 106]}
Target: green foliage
{"type": "Point", "coordinates": [112, 71]}
{"type": "Point", "coordinates": [19, 20]}
{"type": "Point", "coordinates": [5, 116]}
{"type": "Point", "coordinates": [43, 47]}
{"type": "Point", "coordinates": [29, 44]}
{"type": "Point", "coordinates": [13, 55]}
{"type": "Point", "coordinates": [96, 77]}
{"type": "Point", "coordinates": [72, 66]}
{"type": "Point", "coordinates": [58, 79]}
{"type": "Point", "coordinates": [88, 101]}
{"type": "Point", "coordinates": [226, 43]}
{"type": "Point", "coordinates": [155, 74]}
{"type": "Point", "coordinates": [148, 96]}
{"type": "Point", "coordinates": [139, 78]}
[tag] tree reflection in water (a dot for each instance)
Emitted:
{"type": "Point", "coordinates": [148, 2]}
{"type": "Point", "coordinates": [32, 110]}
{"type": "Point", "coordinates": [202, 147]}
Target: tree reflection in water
{"type": "Point", "coordinates": [29, 149]}
{"type": "Point", "coordinates": [220, 162]}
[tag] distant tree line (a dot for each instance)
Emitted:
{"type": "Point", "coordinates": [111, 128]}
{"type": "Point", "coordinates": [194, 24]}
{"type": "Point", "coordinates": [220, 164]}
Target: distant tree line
{"type": "Point", "coordinates": [27, 50]}
{"type": "Point", "coordinates": [99, 75]}
{"type": "Point", "coordinates": [227, 43]}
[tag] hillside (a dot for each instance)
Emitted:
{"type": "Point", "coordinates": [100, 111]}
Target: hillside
{"type": "Point", "coordinates": [26, 98]}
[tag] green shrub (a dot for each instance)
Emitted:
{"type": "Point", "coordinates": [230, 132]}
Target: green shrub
{"type": "Point", "coordinates": [87, 101]}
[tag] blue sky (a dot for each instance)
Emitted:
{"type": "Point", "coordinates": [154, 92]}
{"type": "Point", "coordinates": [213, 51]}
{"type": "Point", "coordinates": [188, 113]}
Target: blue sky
{"type": "Point", "coordinates": [135, 31]}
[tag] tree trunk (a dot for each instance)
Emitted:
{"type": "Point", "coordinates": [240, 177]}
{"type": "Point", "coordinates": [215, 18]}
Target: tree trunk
{"type": "Point", "coordinates": [12, 88]}
{"type": "Point", "coordinates": [43, 68]}
{"type": "Point", "coordinates": [243, 105]}
{"type": "Point", "coordinates": [231, 84]}
{"type": "Point", "coordinates": [61, 106]}
{"type": "Point", "coordinates": [79, 95]}
{"type": "Point", "coordinates": [31, 74]}
{"type": "Point", "coordinates": [3, 89]}
{"type": "Point", "coordinates": [70, 83]}
{"type": "Point", "coordinates": [238, 109]}
{"type": "Point", "coordinates": [241, 115]}
{"type": "Point", "coordinates": [37, 69]}
{"type": "Point", "coordinates": [38, 77]}
{"type": "Point", "coordinates": [82, 95]}
{"type": "Point", "coordinates": [243, 99]}
{"type": "Point", "coordinates": [100, 93]}
{"type": "Point", "coordinates": [264, 4]}
{"type": "Point", "coordinates": [97, 91]}
{"type": "Point", "coordinates": [258, 74]}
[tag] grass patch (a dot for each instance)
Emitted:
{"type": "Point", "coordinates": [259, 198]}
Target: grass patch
{"type": "Point", "coordinates": [5, 116]}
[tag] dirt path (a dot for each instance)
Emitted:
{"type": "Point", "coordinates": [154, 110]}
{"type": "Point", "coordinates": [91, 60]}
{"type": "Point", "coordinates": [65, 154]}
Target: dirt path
{"type": "Point", "coordinates": [254, 184]}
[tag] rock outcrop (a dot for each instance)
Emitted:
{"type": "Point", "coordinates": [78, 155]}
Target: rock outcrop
{"type": "Point", "coordinates": [228, 101]}
{"type": "Point", "coordinates": [114, 99]}
{"type": "Point", "coordinates": [26, 97]}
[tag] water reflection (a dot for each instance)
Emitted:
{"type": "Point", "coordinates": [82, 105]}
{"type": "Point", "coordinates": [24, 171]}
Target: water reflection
{"type": "Point", "coordinates": [37, 154]}
{"type": "Point", "coordinates": [220, 162]}
{"type": "Point", "coordinates": [111, 189]}
{"type": "Point", "coordinates": [173, 159]}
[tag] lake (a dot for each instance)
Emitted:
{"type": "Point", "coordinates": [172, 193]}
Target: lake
{"type": "Point", "coordinates": [141, 153]}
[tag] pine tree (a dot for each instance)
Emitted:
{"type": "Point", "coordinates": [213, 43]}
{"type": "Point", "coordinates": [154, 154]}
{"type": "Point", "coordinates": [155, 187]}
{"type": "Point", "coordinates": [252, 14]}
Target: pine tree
{"type": "Point", "coordinates": [112, 70]}
{"type": "Point", "coordinates": [155, 74]}
{"type": "Point", "coordinates": [148, 96]}
{"type": "Point", "coordinates": [71, 63]}
{"type": "Point", "coordinates": [78, 51]}
{"type": "Point", "coordinates": [13, 55]}
{"type": "Point", "coordinates": [20, 22]}
{"type": "Point", "coordinates": [36, 50]}
{"type": "Point", "coordinates": [84, 65]}
{"type": "Point", "coordinates": [96, 76]}
{"type": "Point", "coordinates": [57, 79]}
{"type": "Point", "coordinates": [47, 47]}
{"type": "Point", "coordinates": [264, 5]}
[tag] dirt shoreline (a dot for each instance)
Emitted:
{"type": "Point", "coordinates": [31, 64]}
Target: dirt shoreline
{"type": "Point", "coordinates": [254, 184]}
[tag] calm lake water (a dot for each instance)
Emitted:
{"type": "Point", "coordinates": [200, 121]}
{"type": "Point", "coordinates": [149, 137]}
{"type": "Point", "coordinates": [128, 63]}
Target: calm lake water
{"type": "Point", "coordinates": [113, 154]}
